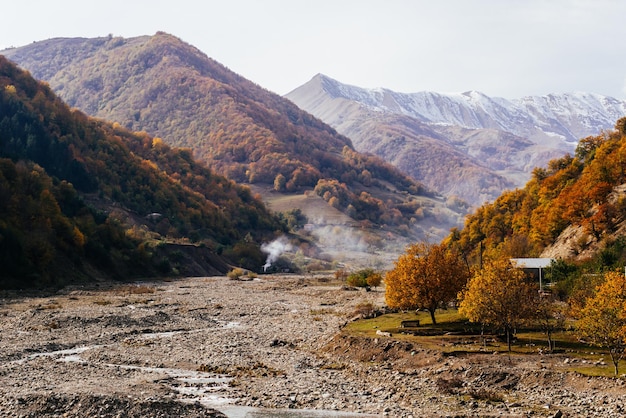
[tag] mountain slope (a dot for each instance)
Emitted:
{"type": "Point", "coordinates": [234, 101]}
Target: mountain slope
{"type": "Point", "coordinates": [573, 209]}
{"type": "Point", "coordinates": [499, 141]}
{"type": "Point", "coordinates": [83, 198]}
{"type": "Point", "coordinates": [570, 116]}
{"type": "Point", "coordinates": [163, 86]}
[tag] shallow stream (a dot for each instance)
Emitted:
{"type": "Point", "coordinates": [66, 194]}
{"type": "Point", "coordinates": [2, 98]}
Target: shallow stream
{"type": "Point", "coordinates": [208, 389]}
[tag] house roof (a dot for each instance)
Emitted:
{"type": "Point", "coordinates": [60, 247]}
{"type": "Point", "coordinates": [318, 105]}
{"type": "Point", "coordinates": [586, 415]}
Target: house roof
{"type": "Point", "coordinates": [532, 263]}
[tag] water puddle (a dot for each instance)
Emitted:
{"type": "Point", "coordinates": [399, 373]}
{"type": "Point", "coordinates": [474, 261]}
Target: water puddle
{"type": "Point", "coordinates": [69, 355]}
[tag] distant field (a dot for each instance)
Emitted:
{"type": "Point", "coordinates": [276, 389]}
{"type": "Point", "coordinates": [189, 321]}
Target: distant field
{"type": "Point", "coordinates": [337, 234]}
{"type": "Point", "coordinates": [311, 205]}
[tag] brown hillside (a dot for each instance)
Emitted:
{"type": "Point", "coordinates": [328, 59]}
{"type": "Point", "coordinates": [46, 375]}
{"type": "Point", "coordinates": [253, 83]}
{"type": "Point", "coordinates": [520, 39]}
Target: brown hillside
{"type": "Point", "coordinates": [81, 198]}
{"type": "Point", "coordinates": [168, 88]}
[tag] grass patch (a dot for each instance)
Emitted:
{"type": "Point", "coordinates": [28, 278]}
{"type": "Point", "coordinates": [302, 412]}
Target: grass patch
{"type": "Point", "coordinates": [453, 335]}
{"type": "Point", "coordinates": [368, 327]}
{"type": "Point", "coordinates": [562, 340]}
{"type": "Point", "coordinates": [597, 370]}
{"type": "Point", "coordinates": [448, 321]}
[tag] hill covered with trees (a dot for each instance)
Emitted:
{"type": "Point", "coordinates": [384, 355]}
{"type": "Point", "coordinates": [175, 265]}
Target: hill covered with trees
{"type": "Point", "coordinates": [82, 198]}
{"type": "Point", "coordinates": [581, 194]}
{"type": "Point", "coordinates": [169, 89]}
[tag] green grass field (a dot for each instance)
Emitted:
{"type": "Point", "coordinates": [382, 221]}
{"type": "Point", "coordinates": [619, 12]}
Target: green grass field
{"type": "Point", "coordinates": [454, 334]}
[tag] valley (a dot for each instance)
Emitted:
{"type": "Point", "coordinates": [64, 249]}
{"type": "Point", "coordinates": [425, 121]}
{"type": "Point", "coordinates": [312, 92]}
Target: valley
{"type": "Point", "coordinates": [192, 170]}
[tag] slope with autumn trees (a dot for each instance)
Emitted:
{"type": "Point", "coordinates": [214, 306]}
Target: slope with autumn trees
{"type": "Point", "coordinates": [573, 209]}
{"type": "Point", "coordinates": [169, 89]}
{"type": "Point", "coordinates": [82, 198]}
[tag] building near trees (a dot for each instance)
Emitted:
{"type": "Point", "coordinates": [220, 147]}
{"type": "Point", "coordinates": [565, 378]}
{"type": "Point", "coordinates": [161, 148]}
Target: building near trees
{"type": "Point", "coordinates": [534, 267]}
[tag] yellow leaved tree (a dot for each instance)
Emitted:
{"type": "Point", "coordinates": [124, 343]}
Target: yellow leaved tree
{"type": "Point", "coordinates": [427, 276]}
{"type": "Point", "coordinates": [603, 319]}
{"type": "Point", "coordinates": [499, 295]}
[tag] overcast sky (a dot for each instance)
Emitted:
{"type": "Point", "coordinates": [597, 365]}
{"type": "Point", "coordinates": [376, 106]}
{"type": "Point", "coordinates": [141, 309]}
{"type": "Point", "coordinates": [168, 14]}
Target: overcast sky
{"type": "Point", "coordinates": [506, 48]}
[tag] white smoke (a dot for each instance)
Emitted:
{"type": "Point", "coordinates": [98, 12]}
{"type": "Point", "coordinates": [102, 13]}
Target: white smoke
{"type": "Point", "coordinates": [274, 249]}
{"type": "Point", "coordinates": [339, 238]}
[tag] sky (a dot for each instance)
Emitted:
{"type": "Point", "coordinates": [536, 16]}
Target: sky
{"type": "Point", "coordinates": [503, 48]}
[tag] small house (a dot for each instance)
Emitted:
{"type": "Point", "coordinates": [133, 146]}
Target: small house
{"type": "Point", "coordinates": [534, 267]}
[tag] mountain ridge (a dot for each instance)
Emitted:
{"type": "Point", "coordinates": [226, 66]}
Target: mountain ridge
{"type": "Point", "coordinates": [475, 110]}
{"type": "Point", "coordinates": [84, 198]}
{"type": "Point", "coordinates": [462, 144]}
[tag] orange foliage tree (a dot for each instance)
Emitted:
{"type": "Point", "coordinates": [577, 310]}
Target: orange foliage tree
{"type": "Point", "coordinates": [425, 277]}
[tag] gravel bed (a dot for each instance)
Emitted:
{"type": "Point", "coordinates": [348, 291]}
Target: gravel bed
{"type": "Point", "coordinates": [195, 346]}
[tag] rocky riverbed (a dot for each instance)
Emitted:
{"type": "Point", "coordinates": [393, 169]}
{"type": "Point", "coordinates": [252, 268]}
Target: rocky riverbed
{"type": "Point", "coordinates": [196, 346]}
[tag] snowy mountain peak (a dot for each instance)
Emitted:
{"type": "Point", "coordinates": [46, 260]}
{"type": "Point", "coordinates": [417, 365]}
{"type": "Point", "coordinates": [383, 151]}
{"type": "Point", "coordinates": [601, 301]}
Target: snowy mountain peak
{"type": "Point", "coordinates": [569, 116]}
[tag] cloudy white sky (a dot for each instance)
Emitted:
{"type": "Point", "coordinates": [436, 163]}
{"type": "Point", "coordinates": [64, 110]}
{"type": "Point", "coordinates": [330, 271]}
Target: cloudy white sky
{"type": "Point", "coordinates": [506, 48]}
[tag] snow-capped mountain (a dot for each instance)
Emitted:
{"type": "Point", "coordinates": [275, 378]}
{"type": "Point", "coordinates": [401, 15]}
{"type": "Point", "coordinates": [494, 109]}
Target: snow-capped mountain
{"type": "Point", "coordinates": [464, 144]}
{"type": "Point", "coordinates": [570, 116]}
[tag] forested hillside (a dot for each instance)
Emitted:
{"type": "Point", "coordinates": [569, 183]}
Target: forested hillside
{"type": "Point", "coordinates": [169, 89]}
{"type": "Point", "coordinates": [83, 198]}
{"type": "Point", "coordinates": [580, 191]}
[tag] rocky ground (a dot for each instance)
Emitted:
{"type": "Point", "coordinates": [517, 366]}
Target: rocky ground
{"type": "Point", "coordinates": [182, 347]}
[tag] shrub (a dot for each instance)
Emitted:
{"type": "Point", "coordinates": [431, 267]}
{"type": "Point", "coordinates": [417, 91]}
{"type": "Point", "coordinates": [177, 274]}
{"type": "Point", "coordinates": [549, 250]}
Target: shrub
{"type": "Point", "coordinates": [362, 278]}
{"type": "Point", "coordinates": [235, 273]}
{"type": "Point", "coordinates": [374, 280]}
{"type": "Point", "coordinates": [364, 310]}
{"type": "Point", "coordinates": [483, 394]}
{"type": "Point", "coordinates": [238, 273]}
{"type": "Point", "coordinates": [341, 274]}
{"type": "Point", "coordinates": [135, 289]}
{"type": "Point", "coordinates": [449, 386]}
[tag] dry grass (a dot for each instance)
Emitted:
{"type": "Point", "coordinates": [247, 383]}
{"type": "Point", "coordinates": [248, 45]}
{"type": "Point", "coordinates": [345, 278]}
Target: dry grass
{"type": "Point", "coordinates": [449, 386]}
{"type": "Point", "coordinates": [323, 311]}
{"type": "Point", "coordinates": [484, 394]}
{"type": "Point", "coordinates": [102, 302]}
{"type": "Point", "coordinates": [134, 290]}
{"type": "Point", "coordinates": [333, 366]}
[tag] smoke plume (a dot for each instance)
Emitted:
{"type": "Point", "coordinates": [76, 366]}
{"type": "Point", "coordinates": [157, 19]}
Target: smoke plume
{"type": "Point", "coordinates": [274, 249]}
